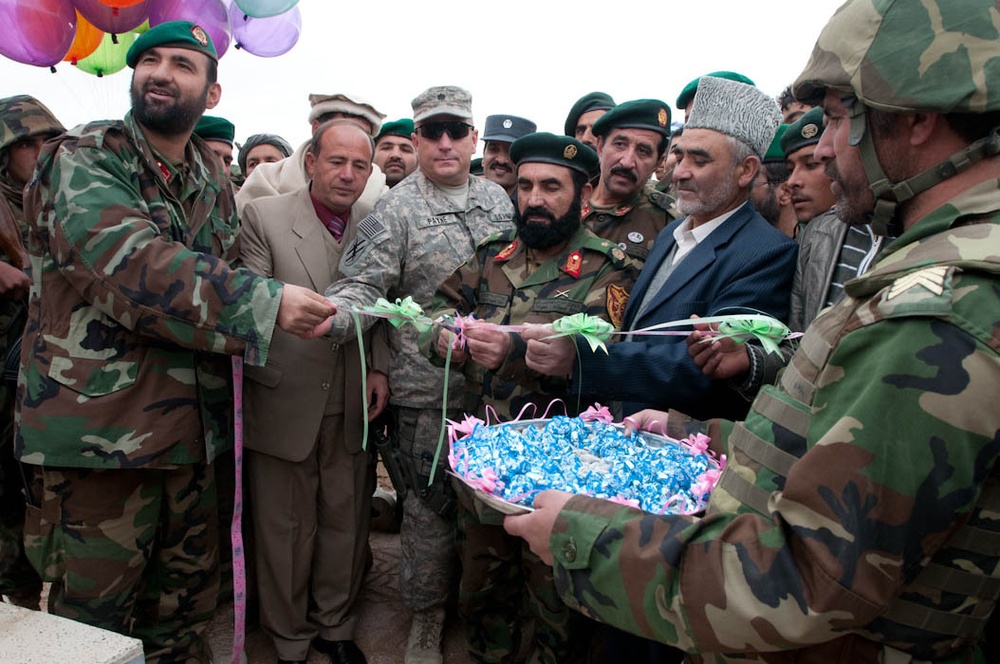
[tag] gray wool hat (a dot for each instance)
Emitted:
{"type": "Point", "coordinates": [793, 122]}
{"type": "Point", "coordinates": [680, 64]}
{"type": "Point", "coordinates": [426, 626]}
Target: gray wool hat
{"type": "Point", "coordinates": [736, 109]}
{"type": "Point", "coordinates": [507, 128]}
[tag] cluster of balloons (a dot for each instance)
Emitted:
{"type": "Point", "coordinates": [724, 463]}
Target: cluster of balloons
{"type": "Point", "coordinates": [95, 35]}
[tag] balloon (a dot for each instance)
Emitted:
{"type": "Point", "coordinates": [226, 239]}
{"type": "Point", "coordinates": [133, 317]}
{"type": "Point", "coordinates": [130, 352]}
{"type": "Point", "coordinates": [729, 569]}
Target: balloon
{"type": "Point", "coordinates": [113, 19]}
{"type": "Point", "coordinates": [120, 3]}
{"type": "Point", "coordinates": [209, 14]}
{"type": "Point", "coordinates": [109, 56]}
{"type": "Point", "coordinates": [37, 32]}
{"type": "Point", "coordinates": [87, 39]}
{"type": "Point", "coordinates": [264, 8]}
{"type": "Point", "coordinates": [266, 37]}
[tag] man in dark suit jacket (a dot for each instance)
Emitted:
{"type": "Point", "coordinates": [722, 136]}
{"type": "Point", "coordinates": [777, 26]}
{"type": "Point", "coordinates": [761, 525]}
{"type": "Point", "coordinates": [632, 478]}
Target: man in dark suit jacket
{"type": "Point", "coordinates": [722, 258]}
{"type": "Point", "coordinates": [308, 475]}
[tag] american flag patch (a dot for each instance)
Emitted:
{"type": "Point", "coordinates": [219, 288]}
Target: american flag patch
{"type": "Point", "coordinates": [370, 227]}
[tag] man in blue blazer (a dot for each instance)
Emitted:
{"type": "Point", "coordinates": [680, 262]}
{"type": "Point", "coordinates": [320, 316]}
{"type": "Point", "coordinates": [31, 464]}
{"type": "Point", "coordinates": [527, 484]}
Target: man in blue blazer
{"type": "Point", "coordinates": [722, 258]}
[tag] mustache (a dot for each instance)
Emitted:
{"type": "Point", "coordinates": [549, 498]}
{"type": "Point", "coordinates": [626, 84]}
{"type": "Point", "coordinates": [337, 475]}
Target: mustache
{"type": "Point", "coordinates": [625, 172]}
{"type": "Point", "coordinates": [535, 211]}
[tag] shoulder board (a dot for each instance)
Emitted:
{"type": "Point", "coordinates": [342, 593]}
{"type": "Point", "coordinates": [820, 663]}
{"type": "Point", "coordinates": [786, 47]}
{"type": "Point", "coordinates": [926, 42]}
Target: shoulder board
{"type": "Point", "coordinates": [498, 236]}
{"type": "Point", "coordinates": [661, 200]}
{"type": "Point", "coordinates": [594, 243]}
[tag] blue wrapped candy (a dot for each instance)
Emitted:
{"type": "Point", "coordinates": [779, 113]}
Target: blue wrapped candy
{"type": "Point", "coordinates": [514, 461]}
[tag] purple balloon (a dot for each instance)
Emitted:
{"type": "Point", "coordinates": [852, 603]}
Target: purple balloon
{"type": "Point", "coordinates": [265, 8]}
{"type": "Point", "coordinates": [266, 37]}
{"type": "Point", "coordinates": [211, 15]}
{"type": "Point", "coordinates": [114, 20]}
{"type": "Point", "coordinates": [37, 32]}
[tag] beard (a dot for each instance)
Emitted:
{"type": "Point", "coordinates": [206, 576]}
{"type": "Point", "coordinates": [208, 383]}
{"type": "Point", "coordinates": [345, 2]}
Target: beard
{"type": "Point", "coordinates": [855, 202]}
{"type": "Point", "coordinates": [545, 236]}
{"type": "Point", "coordinates": [768, 206]}
{"type": "Point", "coordinates": [167, 119]}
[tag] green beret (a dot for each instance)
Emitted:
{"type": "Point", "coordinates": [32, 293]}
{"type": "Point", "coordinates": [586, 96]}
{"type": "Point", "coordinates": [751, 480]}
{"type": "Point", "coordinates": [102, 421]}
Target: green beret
{"type": "Point", "coordinates": [594, 101]}
{"type": "Point", "coordinates": [546, 148]}
{"type": "Point", "coordinates": [774, 152]}
{"type": "Point", "coordinates": [402, 128]}
{"type": "Point", "coordinates": [211, 128]}
{"type": "Point", "coordinates": [476, 166]}
{"type": "Point", "coordinates": [687, 94]}
{"type": "Point", "coordinates": [651, 114]}
{"type": "Point", "coordinates": [804, 131]}
{"type": "Point", "coordinates": [179, 34]}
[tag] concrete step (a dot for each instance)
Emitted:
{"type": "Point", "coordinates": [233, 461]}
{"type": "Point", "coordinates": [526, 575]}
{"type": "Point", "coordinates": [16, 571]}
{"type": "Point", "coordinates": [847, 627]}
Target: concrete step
{"type": "Point", "coordinates": [34, 637]}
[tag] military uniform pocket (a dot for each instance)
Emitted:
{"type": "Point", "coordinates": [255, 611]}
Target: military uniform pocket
{"type": "Point", "coordinates": [42, 532]}
{"type": "Point", "coordinates": [93, 377]}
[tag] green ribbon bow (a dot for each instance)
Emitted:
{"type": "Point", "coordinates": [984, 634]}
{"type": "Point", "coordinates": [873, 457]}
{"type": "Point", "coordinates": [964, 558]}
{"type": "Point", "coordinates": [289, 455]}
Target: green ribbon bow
{"type": "Point", "coordinates": [402, 311]}
{"type": "Point", "coordinates": [595, 330]}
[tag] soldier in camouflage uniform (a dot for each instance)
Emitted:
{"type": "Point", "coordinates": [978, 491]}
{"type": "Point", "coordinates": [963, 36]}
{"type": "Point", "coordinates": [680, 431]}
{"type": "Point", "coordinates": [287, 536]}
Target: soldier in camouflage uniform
{"type": "Point", "coordinates": [125, 392]}
{"type": "Point", "coordinates": [549, 267]}
{"type": "Point", "coordinates": [626, 208]}
{"type": "Point", "coordinates": [419, 232]}
{"type": "Point", "coordinates": [856, 520]}
{"type": "Point", "coordinates": [25, 123]}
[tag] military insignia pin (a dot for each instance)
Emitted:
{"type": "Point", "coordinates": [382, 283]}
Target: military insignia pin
{"type": "Point", "coordinates": [636, 236]}
{"type": "Point", "coordinates": [569, 152]}
{"type": "Point", "coordinates": [199, 35]}
{"type": "Point", "coordinates": [809, 130]}
{"type": "Point", "coordinates": [661, 117]}
{"type": "Point", "coordinates": [573, 263]}
{"type": "Point", "coordinates": [507, 124]}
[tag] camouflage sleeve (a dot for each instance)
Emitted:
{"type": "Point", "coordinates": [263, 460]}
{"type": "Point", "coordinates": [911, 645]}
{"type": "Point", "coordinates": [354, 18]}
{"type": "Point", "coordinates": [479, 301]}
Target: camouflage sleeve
{"type": "Point", "coordinates": [117, 259]}
{"type": "Point", "coordinates": [598, 303]}
{"type": "Point", "coordinates": [456, 296]}
{"type": "Point", "coordinates": [862, 511]}
{"type": "Point", "coordinates": [371, 266]}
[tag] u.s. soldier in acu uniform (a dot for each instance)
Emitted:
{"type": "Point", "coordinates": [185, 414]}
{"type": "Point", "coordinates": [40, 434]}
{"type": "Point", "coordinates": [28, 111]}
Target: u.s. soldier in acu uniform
{"type": "Point", "coordinates": [856, 519]}
{"type": "Point", "coordinates": [125, 392]}
{"type": "Point", "coordinates": [418, 233]}
{"type": "Point", "coordinates": [625, 208]}
{"type": "Point", "coordinates": [549, 266]}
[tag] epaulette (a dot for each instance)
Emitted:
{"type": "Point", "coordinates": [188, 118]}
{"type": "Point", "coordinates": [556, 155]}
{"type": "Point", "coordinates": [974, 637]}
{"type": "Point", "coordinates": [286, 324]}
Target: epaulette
{"type": "Point", "coordinates": [499, 236]}
{"type": "Point", "coordinates": [606, 247]}
{"type": "Point", "coordinates": [661, 200]}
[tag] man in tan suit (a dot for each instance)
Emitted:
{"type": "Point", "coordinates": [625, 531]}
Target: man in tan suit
{"type": "Point", "coordinates": [307, 472]}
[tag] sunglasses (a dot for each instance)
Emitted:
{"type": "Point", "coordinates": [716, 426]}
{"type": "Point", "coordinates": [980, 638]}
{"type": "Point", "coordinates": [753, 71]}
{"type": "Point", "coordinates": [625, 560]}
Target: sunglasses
{"type": "Point", "coordinates": [433, 131]}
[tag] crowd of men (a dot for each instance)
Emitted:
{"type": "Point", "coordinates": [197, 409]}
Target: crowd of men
{"type": "Point", "coordinates": [146, 277]}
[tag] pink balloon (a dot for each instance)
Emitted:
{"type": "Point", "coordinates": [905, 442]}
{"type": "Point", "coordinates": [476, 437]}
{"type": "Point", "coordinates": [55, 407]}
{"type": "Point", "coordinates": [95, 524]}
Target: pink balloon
{"type": "Point", "coordinates": [113, 20]}
{"type": "Point", "coordinates": [266, 37]}
{"type": "Point", "coordinates": [212, 15]}
{"type": "Point", "coordinates": [37, 32]}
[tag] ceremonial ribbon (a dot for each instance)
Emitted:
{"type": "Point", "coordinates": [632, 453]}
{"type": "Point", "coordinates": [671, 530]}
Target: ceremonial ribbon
{"type": "Point", "coordinates": [364, 378]}
{"type": "Point", "coordinates": [236, 530]}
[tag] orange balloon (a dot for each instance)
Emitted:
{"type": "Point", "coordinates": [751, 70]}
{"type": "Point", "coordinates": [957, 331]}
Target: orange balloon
{"type": "Point", "coordinates": [86, 41]}
{"type": "Point", "coordinates": [119, 3]}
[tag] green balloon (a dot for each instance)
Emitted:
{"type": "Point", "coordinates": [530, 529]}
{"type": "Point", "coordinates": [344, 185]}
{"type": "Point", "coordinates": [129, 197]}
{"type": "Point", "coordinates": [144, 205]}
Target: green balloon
{"type": "Point", "coordinates": [109, 57]}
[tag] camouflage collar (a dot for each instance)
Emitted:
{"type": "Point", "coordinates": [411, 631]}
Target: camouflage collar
{"type": "Point", "coordinates": [619, 210]}
{"type": "Point", "coordinates": [195, 175]}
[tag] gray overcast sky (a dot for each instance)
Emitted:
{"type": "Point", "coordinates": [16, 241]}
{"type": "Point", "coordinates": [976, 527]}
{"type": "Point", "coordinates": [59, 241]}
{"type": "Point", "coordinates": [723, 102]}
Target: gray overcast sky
{"type": "Point", "coordinates": [532, 58]}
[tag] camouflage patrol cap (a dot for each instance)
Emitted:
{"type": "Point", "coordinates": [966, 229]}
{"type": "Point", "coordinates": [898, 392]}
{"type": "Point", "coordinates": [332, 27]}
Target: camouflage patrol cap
{"type": "Point", "coordinates": [651, 114]}
{"type": "Point", "coordinates": [805, 131]}
{"type": "Point", "coordinates": [178, 34]}
{"type": "Point", "coordinates": [23, 116]}
{"type": "Point", "coordinates": [901, 55]}
{"type": "Point", "coordinates": [687, 94]}
{"type": "Point", "coordinates": [442, 100]}
{"type": "Point", "coordinates": [543, 147]}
